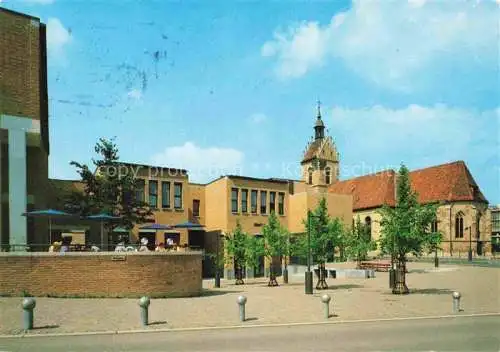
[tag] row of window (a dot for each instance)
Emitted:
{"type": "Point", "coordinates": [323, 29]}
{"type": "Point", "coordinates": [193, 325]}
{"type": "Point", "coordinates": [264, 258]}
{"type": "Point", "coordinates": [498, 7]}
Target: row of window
{"type": "Point", "coordinates": [328, 175]}
{"type": "Point", "coordinates": [165, 194]}
{"type": "Point", "coordinates": [236, 206]}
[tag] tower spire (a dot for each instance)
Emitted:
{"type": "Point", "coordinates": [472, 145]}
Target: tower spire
{"type": "Point", "coordinates": [319, 127]}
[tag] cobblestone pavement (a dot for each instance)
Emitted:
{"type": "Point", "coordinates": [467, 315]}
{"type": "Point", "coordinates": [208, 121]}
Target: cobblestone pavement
{"type": "Point", "coordinates": [352, 299]}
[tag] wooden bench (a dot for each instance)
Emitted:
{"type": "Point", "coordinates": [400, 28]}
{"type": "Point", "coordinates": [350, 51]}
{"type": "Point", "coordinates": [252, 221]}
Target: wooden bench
{"type": "Point", "coordinates": [377, 266]}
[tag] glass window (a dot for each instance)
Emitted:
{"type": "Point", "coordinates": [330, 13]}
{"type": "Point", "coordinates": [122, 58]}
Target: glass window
{"type": "Point", "coordinates": [139, 191]}
{"type": "Point", "coordinates": [272, 202]}
{"type": "Point", "coordinates": [253, 201]}
{"type": "Point", "coordinates": [234, 200]}
{"type": "Point", "coordinates": [310, 176]}
{"type": "Point", "coordinates": [177, 195]}
{"type": "Point", "coordinates": [153, 194]}
{"type": "Point", "coordinates": [368, 224]}
{"type": "Point", "coordinates": [328, 175]}
{"type": "Point", "coordinates": [434, 226]}
{"type": "Point", "coordinates": [495, 221]}
{"type": "Point", "coordinates": [196, 207]}
{"type": "Point", "coordinates": [459, 226]}
{"type": "Point", "coordinates": [263, 202]}
{"type": "Point", "coordinates": [244, 200]}
{"type": "Point", "coordinates": [165, 194]}
{"type": "Point", "coordinates": [281, 203]}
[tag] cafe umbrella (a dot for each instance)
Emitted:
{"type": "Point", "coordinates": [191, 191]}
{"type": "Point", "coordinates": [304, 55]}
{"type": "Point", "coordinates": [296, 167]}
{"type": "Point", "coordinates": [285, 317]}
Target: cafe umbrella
{"type": "Point", "coordinates": [103, 218]}
{"type": "Point", "coordinates": [49, 214]}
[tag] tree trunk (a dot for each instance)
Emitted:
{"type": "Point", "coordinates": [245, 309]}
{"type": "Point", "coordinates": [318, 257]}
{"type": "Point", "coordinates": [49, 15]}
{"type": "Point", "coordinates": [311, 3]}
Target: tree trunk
{"type": "Point", "coordinates": [239, 275]}
{"type": "Point", "coordinates": [400, 287]}
{"type": "Point", "coordinates": [321, 285]}
{"type": "Point", "coordinates": [272, 276]}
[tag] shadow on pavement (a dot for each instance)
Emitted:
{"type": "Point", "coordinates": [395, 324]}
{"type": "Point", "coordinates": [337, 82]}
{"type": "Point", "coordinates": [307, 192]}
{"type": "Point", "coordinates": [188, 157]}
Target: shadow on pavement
{"type": "Point", "coordinates": [157, 322]}
{"type": "Point", "coordinates": [215, 292]}
{"type": "Point", "coordinates": [45, 327]}
{"type": "Point", "coordinates": [431, 291]}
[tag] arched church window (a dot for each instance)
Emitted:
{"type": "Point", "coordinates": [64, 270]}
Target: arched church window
{"type": "Point", "coordinates": [459, 225]}
{"type": "Point", "coordinates": [434, 226]}
{"type": "Point", "coordinates": [310, 176]}
{"type": "Point", "coordinates": [328, 175]}
{"type": "Point", "coordinates": [368, 225]}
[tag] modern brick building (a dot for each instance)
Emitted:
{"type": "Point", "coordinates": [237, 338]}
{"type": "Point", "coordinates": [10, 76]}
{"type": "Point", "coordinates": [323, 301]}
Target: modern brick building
{"type": "Point", "coordinates": [24, 133]}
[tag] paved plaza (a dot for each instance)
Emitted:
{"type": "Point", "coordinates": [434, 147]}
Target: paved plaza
{"type": "Point", "coordinates": [353, 299]}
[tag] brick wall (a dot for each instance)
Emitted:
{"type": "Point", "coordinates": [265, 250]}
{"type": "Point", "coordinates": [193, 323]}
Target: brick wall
{"type": "Point", "coordinates": [101, 274]}
{"type": "Point", "coordinates": [20, 65]}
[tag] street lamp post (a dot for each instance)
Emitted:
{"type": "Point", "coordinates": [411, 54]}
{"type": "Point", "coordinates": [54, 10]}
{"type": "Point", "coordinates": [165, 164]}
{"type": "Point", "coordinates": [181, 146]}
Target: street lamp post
{"type": "Point", "coordinates": [217, 269]}
{"type": "Point", "coordinates": [436, 259]}
{"type": "Point", "coordinates": [308, 274]}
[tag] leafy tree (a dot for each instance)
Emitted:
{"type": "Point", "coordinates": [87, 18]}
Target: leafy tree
{"type": "Point", "coordinates": [326, 234]}
{"type": "Point", "coordinates": [405, 228]}
{"type": "Point", "coordinates": [110, 188]}
{"type": "Point", "coordinates": [275, 243]}
{"type": "Point", "coordinates": [358, 242]}
{"type": "Point", "coordinates": [254, 249]}
{"type": "Point", "coordinates": [236, 244]}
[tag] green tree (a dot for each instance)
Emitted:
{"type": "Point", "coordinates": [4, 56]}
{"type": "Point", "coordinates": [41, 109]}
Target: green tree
{"type": "Point", "coordinates": [358, 242]}
{"type": "Point", "coordinates": [326, 234]}
{"type": "Point", "coordinates": [254, 249]}
{"type": "Point", "coordinates": [275, 238]}
{"type": "Point", "coordinates": [108, 188]}
{"type": "Point", "coordinates": [236, 244]}
{"type": "Point", "coordinates": [405, 228]}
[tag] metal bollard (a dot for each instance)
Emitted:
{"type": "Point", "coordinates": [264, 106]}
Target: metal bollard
{"type": "Point", "coordinates": [326, 300]}
{"type": "Point", "coordinates": [242, 300]}
{"type": "Point", "coordinates": [456, 302]}
{"type": "Point", "coordinates": [144, 303]}
{"type": "Point", "coordinates": [28, 307]}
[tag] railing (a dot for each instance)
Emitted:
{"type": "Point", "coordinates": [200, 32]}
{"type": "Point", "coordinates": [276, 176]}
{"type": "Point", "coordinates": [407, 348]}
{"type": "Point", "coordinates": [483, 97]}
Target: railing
{"type": "Point", "coordinates": [39, 247]}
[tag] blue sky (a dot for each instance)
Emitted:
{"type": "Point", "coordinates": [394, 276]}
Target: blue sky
{"type": "Point", "coordinates": [230, 86]}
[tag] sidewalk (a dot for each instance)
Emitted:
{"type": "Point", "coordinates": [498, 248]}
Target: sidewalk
{"type": "Point", "coordinates": [352, 299]}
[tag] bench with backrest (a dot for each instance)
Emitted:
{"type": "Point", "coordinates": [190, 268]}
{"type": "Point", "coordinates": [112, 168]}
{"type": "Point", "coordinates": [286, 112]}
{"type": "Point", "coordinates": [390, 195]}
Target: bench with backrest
{"type": "Point", "coordinates": [377, 266]}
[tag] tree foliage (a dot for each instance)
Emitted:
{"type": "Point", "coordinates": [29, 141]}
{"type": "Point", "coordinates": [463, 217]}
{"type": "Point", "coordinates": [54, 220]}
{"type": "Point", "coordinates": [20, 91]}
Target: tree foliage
{"type": "Point", "coordinates": [405, 228]}
{"type": "Point", "coordinates": [109, 188]}
{"type": "Point", "coordinates": [326, 233]}
{"type": "Point", "coordinates": [358, 242]}
{"type": "Point", "coordinates": [242, 250]}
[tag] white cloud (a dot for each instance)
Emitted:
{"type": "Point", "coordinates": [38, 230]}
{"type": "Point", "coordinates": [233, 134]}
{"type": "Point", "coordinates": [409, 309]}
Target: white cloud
{"type": "Point", "coordinates": [57, 38]}
{"type": "Point", "coordinates": [417, 134]}
{"type": "Point", "coordinates": [258, 118]}
{"type": "Point", "coordinates": [135, 94]}
{"type": "Point", "coordinates": [391, 42]}
{"type": "Point", "coordinates": [202, 164]}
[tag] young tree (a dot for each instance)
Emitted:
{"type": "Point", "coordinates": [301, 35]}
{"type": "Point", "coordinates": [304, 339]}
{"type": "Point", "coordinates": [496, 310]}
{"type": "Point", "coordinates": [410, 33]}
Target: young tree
{"type": "Point", "coordinates": [274, 244]}
{"type": "Point", "coordinates": [254, 249]}
{"type": "Point", "coordinates": [107, 189]}
{"type": "Point", "coordinates": [236, 251]}
{"type": "Point", "coordinates": [358, 242]}
{"type": "Point", "coordinates": [326, 234]}
{"type": "Point", "coordinates": [405, 228]}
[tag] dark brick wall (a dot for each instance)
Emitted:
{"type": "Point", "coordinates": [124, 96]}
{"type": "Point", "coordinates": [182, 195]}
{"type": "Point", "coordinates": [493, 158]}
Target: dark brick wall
{"type": "Point", "coordinates": [98, 275]}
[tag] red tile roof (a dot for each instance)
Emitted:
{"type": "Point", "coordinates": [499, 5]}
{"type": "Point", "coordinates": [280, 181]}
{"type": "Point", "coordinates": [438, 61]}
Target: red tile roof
{"type": "Point", "coordinates": [369, 191]}
{"type": "Point", "coordinates": [447, 182]}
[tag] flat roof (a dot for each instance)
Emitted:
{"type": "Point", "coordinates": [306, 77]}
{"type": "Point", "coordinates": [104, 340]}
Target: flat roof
{"type": "Point", "coordinates": [12, 12]}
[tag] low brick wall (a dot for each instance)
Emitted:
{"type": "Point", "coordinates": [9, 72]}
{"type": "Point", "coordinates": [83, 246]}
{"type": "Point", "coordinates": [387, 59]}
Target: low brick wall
{"type": "Point", "coordinates": [106, 274]}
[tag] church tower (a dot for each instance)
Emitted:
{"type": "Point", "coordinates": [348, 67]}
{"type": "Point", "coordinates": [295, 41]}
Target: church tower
{"type": "Point", "coordinates": [320, 163]}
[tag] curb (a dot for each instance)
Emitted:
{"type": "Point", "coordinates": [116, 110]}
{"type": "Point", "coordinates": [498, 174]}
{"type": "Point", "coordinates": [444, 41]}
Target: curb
{"type": "Point", "coordinates": [232, 327]}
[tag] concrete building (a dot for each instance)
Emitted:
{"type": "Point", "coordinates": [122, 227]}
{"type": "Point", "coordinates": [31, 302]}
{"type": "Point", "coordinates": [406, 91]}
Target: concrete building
{"type": "Point", "coordinates": [24, 136]}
